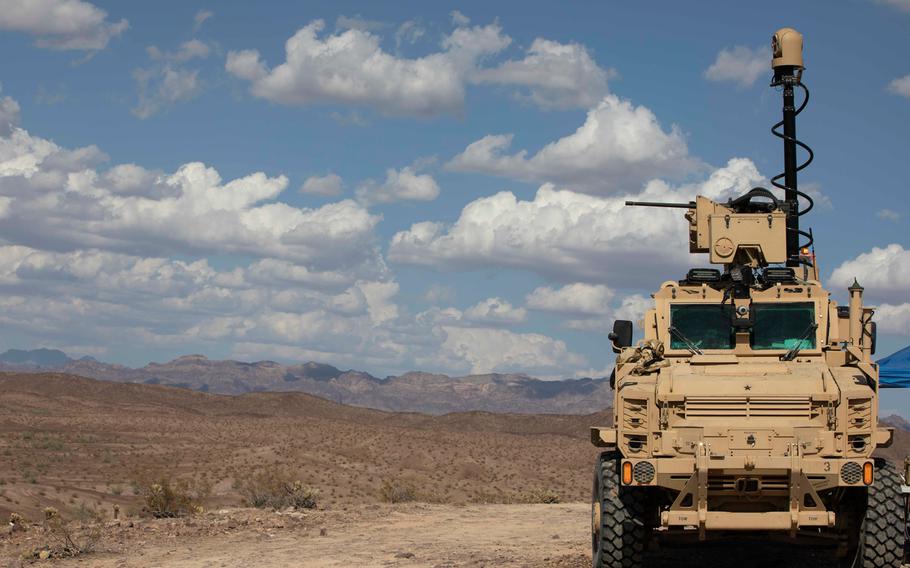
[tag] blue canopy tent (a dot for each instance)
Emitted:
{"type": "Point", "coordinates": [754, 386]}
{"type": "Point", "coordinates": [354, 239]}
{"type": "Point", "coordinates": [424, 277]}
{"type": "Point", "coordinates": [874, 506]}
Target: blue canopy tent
{"type": "Point", "coordinates": [894, 370]}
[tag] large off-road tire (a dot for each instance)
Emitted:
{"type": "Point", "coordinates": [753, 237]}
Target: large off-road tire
{"type": "Point", "coordinates": [620, 524]}
{"type": "Point", "coordinates": [883, 531]}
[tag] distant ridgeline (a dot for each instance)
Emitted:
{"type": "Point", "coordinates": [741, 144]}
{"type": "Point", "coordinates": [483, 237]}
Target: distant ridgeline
{"type": "Point", "coordinates": [894, 370]}
{"type": "Point", "coordinates": [35, 357]}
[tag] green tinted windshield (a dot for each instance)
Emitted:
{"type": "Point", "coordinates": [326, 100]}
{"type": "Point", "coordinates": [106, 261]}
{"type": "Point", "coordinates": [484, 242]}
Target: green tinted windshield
{"type": "Point", "coordinates": [780, 326]}
{"type": "Point", "coordinates": [707, 326]}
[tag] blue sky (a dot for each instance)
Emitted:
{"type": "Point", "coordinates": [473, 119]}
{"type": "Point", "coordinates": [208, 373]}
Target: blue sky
{"type": "Point", "coordinates": [417, 185]}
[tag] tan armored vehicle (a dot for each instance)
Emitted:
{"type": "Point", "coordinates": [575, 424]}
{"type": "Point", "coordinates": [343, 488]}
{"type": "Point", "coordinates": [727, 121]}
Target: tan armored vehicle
{"type": "Point", "coordinates": [751, 405]}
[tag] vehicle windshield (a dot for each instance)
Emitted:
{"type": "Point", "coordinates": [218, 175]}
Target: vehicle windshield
{"type": "Point", "coordinates": [783, 326]}
{"type": "Point", "coordinates": [706, 326]}
{"type": "Point", "coordinates": [776, 326]}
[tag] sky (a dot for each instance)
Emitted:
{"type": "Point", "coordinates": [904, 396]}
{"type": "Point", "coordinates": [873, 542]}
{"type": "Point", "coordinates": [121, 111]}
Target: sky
{"type": "Point", "coordinates": [414, 185]}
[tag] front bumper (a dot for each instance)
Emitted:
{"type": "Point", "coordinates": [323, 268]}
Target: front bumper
{"type": "Point", "coordinates": [748, 492]}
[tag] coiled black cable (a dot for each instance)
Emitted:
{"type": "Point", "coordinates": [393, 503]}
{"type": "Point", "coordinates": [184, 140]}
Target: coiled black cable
{"type": "Point", "coordinates": [775, 130]}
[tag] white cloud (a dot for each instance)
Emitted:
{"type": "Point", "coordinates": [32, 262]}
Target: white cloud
{"type": "Point", "coordinates": [570, 236]}
{"type": "Point", "coordinates": [888, 215]}
{"type": "Point", "coordinates": [60, 198]}
{"type": "Point", "coordinates": [161, 88]}
{"type": "Point", "coordinates": [9, 115]}
{"type": "Point", "coordinates": [495, 311]}
{"type": "Point", "coordinates": [111, 258]}
{"type": "Point", "coordinates": [169, 81]}
{"type": "Point", "coordinates": [884, 272]}
{"type": "Point", "coordinates": [351, 68]}
{"type": "Point", "coordinates": [201, 17]}
{"type": "Point", "coordinates": [618, 147]}
{"type": "Point", "coordinates": [61, 24]}
{"type": "Point", "coordinates": [399, 185]}
{"type": "Point", "coordinates": [486, 350]}
{"type": "Point", "coordinates": [900, 86]}
{"type": "Point", "coordinates": [633, 307]}
{"type": "Point", "coordinates": [409, 32]}
{"type": "Point", "coordinates": [358, 23]}
{"type": "Point", "coordinates": [459, 19]}
{"type": "Point", "coordinates": [188, 50]}
{"type": "Point", "coordinates": [556, 75]}
{"type": "Point", "coordinates": [329, 185]}
{"type": "Point", "coordinates": [740, 65]}
{"type": "Point", "coordinates": [578, 299]}
{"type": "Point", "coordinates": [893, 318]}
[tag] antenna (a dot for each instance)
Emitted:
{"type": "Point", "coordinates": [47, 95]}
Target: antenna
{"type": "Point", "coordinates": [787, 62]}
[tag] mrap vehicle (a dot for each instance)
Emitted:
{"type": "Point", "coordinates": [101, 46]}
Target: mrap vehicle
{"type": "Point", "coordinates": [750, 407]}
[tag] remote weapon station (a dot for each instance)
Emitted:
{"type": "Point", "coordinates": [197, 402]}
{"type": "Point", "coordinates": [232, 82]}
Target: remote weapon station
{"type": "Point", "coordinates": [751, 405]}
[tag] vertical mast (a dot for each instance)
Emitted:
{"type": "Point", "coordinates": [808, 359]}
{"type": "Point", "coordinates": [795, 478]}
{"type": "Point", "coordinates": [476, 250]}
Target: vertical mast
{"type": "Point", "coordinates": [787, 49]}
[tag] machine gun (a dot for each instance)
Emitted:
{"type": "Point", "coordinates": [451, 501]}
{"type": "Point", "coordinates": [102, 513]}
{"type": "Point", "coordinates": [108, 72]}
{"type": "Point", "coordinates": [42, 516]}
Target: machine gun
{"type": "Point", "coordinates": [745, 231]}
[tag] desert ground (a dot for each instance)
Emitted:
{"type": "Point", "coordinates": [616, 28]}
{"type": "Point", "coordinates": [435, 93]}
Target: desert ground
{"type": "Point", "coordinates": [393, 489]}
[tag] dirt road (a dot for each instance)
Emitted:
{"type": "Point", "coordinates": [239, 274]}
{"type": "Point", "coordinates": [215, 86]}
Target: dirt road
{"type": "Point", "coordinates": [414, 535]}
{"type": "Point", "coordinates": [408, 536]}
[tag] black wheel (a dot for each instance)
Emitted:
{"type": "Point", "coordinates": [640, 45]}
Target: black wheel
{"type": "Point", "coordinates": [620, 524]}
{"type": "Point", "coordinates": [883, 531]}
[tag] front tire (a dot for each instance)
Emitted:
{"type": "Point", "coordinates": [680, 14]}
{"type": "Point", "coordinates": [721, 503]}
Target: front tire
{"type": "Point", "coordinates": [883, 531]}
{"type": "Point", "coordinates": [620, 528]}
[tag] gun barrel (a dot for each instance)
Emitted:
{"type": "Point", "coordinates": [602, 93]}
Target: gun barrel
{"type": "Point", "coordinates": [689, 205]}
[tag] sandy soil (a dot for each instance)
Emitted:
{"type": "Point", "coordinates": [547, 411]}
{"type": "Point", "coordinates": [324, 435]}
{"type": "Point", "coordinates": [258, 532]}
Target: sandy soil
{"type": "Point", "coordinates": [376, 535]}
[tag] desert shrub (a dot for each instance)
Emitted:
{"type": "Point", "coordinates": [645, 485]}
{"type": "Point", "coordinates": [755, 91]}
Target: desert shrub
{"type": "Point", "coordinates": [275, 488]}
{"type": "Point", "coordinates": [67, 538]}
{"type": "Point", "coordinates": [397, 491]}
{"type": "Point", "coordinates": [546, 496]}
{"type": "Point", "coordinates": [165, 497]}
{"type": "Point", "coordinates": [17, 523]}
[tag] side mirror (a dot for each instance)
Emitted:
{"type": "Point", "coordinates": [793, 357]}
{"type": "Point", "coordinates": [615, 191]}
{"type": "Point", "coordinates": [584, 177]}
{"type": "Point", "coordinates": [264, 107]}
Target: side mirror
{"type": "Point", "coordinates": [621, 336]}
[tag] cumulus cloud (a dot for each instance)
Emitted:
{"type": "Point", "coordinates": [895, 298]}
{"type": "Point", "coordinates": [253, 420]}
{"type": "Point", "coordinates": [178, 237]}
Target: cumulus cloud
{"type": "Point", "coordinates": [618, 146]}
{"type": "Point", "coordinates": [60, 198]}
{"type": "Point", "coordinates": [884, 272]}
{"type": "Point", "coordinates": [893, 318]}
{"type": "Point", "coordinates": [556, 75]}
{"type": "Point", "coordinates": [633, 307]}
{"type": "Point", "coordinates": [61, 24]}
{"type": "Point", "coordinates": [569, 236]}
{"type": "Point", "coordinates": [9, 115]}
{"type": "Point", "coordinates": [405, 184]}
{"type": "Point", "coordinates": [495, 311]}
{"type": "Point", "coordinates": [588, 307]}
{"type": "Point", "coordinates": [169, 81]}
{"type": "Point", "coordinates": [351, 67]}
{"type": "Point", "coordinates": [498, 350]}
{"type": "Point", "coordinates": [112, 257]}
{"type": "Point", "coordinates": [900, 86]}
{"type": "Point", "coordinates": [577, 299]}
{"type": "Point", "coordinates": [740, 65]}
{"type": "Point", "coordinates": [329, 185]}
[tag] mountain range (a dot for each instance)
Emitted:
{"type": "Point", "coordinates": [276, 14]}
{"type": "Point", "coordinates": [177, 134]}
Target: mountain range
{"type": "Point", "coordinates": [411, 392]}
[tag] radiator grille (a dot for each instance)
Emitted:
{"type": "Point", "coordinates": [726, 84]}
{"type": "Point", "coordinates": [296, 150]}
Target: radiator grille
{"type": "Point", "coordinates": [748, 406]}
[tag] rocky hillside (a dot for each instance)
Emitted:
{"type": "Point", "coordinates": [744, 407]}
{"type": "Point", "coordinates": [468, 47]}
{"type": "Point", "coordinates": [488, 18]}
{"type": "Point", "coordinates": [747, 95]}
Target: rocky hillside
{"type": "Point", "coordinates": [413, 392]}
